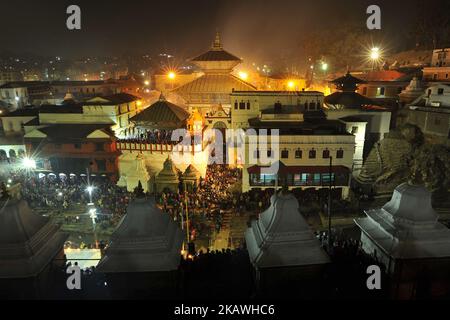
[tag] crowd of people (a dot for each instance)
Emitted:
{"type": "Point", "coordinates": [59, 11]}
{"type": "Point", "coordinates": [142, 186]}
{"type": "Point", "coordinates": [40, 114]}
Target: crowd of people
{"type": "Point", "coordinates": [151, 136]}
{"type": "Point", "coordinates": [63, 192]}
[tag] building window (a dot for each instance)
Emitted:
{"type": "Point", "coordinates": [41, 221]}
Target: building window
{"type": "Point", "coordinates": [284, 154]}
{"type": "Point", "coordinates": [340, 154]}
{"type": "Point", "coordinates": [435, 76]}
{"type": "Point", "coordinates": [99, 147]}
{"type": "Point", "coordinates": [101, 165]}
{"type": "Point", "coordinates": [269, 153]}
{"type": "Point", "coordinates": [312, 154]}
{"type": "Point", "coordinates": [364, 91]}
{"type": "Point", "coordinates": [248, 105]}
{"type": "Point", "coordinates": [440, 91]}
{"type": "Point", "coordinates": [298, 154]}
{"type": "Point", "coordinates": [354, 130]}
{"type": "Point", "coordinates": [380, 91]}
{"type": "Point", "coordinates": [241, 105]}
{"type": "Point", "coordinates": [77, 145]}
{"type": "Point", "coordinates": [399, 90]}
{"type": "Point", "coordinates": [428, 93]}
{"type": "Point", "coordinates": [235, 105]}
{"type": "Point", "coordinates": [256, 155]}
{"type": "Point", "coordinates": [326, 154]}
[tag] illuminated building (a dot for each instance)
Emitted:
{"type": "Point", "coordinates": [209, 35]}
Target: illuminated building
{"type": "Point", "coordinates": [439, 70]}
{"type": "Point", "coordinates": [375, 121]}
{"type": "Point", "coordinates": [306, 140]}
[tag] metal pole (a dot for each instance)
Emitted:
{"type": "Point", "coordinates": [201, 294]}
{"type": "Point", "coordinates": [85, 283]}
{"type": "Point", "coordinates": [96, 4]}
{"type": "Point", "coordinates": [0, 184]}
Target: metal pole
{"type": "Point", "coordinates": [187, 211]}
{"type": "Point", "coordinates": [329, 206]}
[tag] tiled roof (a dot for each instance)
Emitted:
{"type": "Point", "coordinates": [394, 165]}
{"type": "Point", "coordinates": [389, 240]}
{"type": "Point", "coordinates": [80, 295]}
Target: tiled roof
{"type": "Point", "coordinates": [74, 131]}
{"type": "Point", "coordinates": [382, 75]}
{"type": "Point", "coordinates": [164, 113]}
{"type": "Point", "coordinates": [214, 83]}
{"type": "Point", "coordinates": [68, 108]}
{"type": "Point", "coordinates": [27, 112]}
{"type": "Point", "coordinates": [216, 55]}
{"type": "Point", "coordinates": [348, 99]}
{"type": "Point", "coordinates": [118, 98]}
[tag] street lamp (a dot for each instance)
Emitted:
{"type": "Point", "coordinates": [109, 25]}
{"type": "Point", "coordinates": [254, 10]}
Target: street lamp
{"type": "Point", "coordinates": [324, 66]}
{"type": "Point", "coordinates": [171, 75]}
{"type": "Point", "coordinates": [291, 84]}
{"type": "Point", "coordinates": [89, 189]}
{"type": "Point", "coordinates": [375, 53]}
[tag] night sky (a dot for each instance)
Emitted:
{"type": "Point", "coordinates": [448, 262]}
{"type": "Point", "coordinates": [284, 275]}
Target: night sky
{"type": "Point", "coordinates": [255, 28]}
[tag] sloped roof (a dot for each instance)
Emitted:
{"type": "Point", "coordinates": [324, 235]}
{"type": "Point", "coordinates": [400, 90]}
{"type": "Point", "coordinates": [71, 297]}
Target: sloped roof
{"type": "Point", "coordinates": [117, 98]}
{"type": "Point", "coordinates": [348, 99]}
{"type": "Point", "coordinates": [74, 131]}
{"type": "Point", "coordinates": [162, 114]}
{"type": "Point", "coordinates": [28, 242]}
{"type": "Point", "coordinates": [215, 83]}
{"type": "Point", "coordinates": [382, 75]}
{"type": "Point", "coordinates": [347, 79]}
{"type": "Point", "coordinates": [146, 240]}
{"type": "Point", "coordinates": [216, 55]}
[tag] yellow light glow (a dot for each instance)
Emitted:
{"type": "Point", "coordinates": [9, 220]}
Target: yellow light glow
{"type": "Point", "coordinates": [291, 84]}
{"type": "Point", "coordinates": [139, 103]}
{"type": "Point", "coordinates": [375, 53]}
{"type": "Point", "coordinates": [243, 75]}
{"type": "Point", "coordinates": [146, 82]}
{"type": "Point", "coordinates": [171, 75]}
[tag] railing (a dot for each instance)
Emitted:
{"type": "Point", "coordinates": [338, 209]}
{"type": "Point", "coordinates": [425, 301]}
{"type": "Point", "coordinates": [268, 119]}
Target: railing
{"type": "Point", "coordinates": [157, 147]}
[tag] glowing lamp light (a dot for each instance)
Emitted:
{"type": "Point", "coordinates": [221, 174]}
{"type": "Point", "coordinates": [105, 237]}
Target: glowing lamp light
{"type": "Point", "coordinates": [146, 82]}
{"type": "Point", "coordinates": [171, 75]}
{"type": "Point", "coordinates": [375, 53]}
{"type": "Point", "coordinates": [139, 103]}
{"type": "Point", "coordinates": [243, 75]}
{"type": "Point", "coordinates": [291, 84]}
{"type": "Point", "coordinates": [90, 189]}
{"type": "Point", "coordinates": [324, 66]}
{"type": "Point", "coordinates": [29, 163]}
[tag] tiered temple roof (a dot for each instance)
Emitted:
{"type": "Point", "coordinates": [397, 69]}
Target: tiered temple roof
{"type": "Point", "coordinates": [215, 86]}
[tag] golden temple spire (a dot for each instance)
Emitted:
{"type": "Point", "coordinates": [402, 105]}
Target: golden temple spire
{"type": "Point", "coordinates": [217, 44]}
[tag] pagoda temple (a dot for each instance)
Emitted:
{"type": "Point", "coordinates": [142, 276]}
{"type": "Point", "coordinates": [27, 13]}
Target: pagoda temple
{"type": "Point", "coordinates": [213, 88]}
{"type": "Point", "coordinates": [346, 97]}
